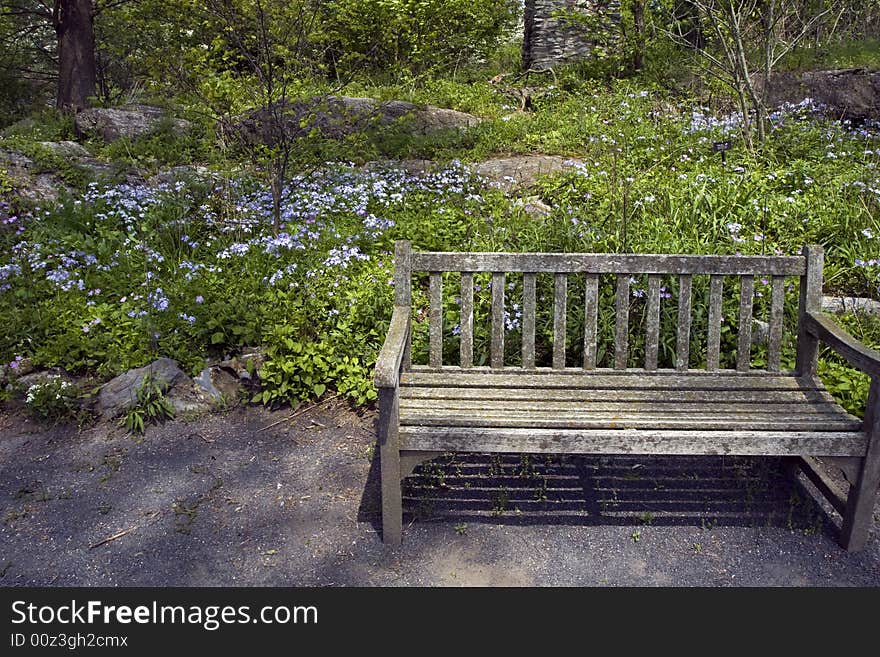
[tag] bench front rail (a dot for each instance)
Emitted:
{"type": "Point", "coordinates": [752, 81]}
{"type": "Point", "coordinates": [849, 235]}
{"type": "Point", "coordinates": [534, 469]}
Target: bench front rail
{"type": "Point", "coordinates": [560, 408]}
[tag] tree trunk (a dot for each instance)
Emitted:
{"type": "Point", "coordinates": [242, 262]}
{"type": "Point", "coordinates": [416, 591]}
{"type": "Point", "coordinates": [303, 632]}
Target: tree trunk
{"type": "Point", "coordinates": [638, 12]}
{"type": "Point", "coordinates": [77, 71]}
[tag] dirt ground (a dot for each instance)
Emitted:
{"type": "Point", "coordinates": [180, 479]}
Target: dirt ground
{"type": "Point", "coordinates": [226, 501]}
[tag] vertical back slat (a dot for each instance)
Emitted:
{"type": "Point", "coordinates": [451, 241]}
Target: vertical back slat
{"type": "Point", "coordinates": [591, 308]}
{"type": "Point", "coordinates": [467, 320]}
{"type": "Point", "coordinates": [403, 288]}
{"type": "Point", "coordinates": [652, 333]}
{"type": "Point", "coordinates": [744, 346]}
{"type": "Point", "coordinates": [713, 342]}
{"type": "Point", "coordinates": [528, 331]}
{"type": "Point", "coordinates": [497, 351]}
{"type": "Point", "coordinates": [621, 326]}
{"type": "Point", "coordinates": [810, 301]}
{"type": "Point", "coordinates": [436, 319]}
{"type": "Point", "coordinates": [559, 309]}
{"type": "Point", "coordinates": [683, 341]}
{"type": "Point", "coordinates": [774, 340]}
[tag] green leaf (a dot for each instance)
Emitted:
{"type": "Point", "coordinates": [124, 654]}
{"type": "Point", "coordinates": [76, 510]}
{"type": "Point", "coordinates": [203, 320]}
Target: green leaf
{"type": "Point", "coordinates": [319, 389]}
{"type": "Point", "coordinates": [217, 337]}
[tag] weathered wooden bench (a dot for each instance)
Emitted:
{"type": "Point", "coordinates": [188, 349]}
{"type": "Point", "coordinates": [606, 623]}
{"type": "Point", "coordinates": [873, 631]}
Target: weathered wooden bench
{"type": "Point", "coordinates": [428, 410]}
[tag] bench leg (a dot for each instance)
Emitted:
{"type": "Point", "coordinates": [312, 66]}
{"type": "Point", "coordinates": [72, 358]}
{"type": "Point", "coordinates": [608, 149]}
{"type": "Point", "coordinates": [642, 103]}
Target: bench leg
{"type": "Point", "coordinates": [863, 492]}
{"type": "Point", "coordinates": [389, 455]}
{"type": "Point", "coordinates": [860, 507]}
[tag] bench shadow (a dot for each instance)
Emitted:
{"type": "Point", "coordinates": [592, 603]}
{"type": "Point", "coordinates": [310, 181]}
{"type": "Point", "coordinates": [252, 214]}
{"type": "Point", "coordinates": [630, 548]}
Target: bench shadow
{"type": "Point", "coordinates": [702, 491]}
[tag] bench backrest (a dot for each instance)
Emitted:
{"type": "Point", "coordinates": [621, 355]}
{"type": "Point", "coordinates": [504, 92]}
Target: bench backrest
{"type": "Point", "coordinates": [807, 267]}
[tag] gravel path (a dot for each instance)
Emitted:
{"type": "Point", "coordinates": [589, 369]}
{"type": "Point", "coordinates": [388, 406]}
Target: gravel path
{"type": "Point", "coordinates": [218, 502]}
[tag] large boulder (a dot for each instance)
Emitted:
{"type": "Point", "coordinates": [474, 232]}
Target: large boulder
{"type": "Point", "coordinates": [521, 170]}
{"type": "Point", "coordinates": [852, 94]}
{"type": "Point", "coordinates": [850, 305]}
{"type": "Point", "coordinates": [26, 182]}
{"type": "Point", "coordinates": [336, 117]}
{"type": "Point", "coordinates": [35, 176]}
{"type": "Point", "coordinates": [120, 394]}
{"type": "Point", "coordinates": [509, 173]}
{"type": "Point", "coordinates": [129, 122]}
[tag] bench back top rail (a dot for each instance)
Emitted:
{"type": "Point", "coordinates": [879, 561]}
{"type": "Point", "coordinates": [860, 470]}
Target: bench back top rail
{"type": "Point", "coordinates": [807, 267]}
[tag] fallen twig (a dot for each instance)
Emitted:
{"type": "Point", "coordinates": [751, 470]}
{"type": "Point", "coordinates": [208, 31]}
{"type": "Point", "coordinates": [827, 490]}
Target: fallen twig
{"type": "Point", "coordinates": [117, 535]}
{"type": "Point", "coordinates": [298, 413]}
{"type": "Point", "coordinates": [114, 537]}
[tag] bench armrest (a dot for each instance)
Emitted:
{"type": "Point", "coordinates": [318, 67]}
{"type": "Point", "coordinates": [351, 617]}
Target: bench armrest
{"type": "Point", "coordinates": [828, 331]}
{"type": "Point", "coordinates": [387, 373]}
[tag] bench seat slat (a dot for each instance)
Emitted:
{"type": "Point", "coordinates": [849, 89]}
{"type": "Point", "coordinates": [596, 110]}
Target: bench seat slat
{"type": "Point", "coordinates": [707, 441]}
{"type": "Point", "coordinates": [617, 395]}
{"type": "Point", "coordinates": [557, 421]}
{"type": "Point", "coordinates": [453, 377]}
{"type": "Point", "coordinates": [623, 408]}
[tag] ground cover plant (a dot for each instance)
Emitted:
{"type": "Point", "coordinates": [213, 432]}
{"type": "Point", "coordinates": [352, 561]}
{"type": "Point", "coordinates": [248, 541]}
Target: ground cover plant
{"type": "Point", "coordinates": [108, 278]}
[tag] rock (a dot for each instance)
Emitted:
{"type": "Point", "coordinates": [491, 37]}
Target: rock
{"type": "Point", "coordinates": [129, 122]}
{"type": "Point", "coordinates": [509, 173]}
{"type": "Point", "coordinates": [27, 184]}
{"type": "Point", "coordinates": [415, 167]}
{"type": "Point", "coordinates": [521, 170]}
{"type": "Point", "coordinates": [760, 331]}
{"type": "Point", "coordinates": [67, 149]}
{"type": "Point", "coordinates": [219, 385]}
{"type": "Point", "coordinates": [33, 183]}
{"type": "Point", "coordinates": [250, 360]}
{"type": "Point", "coordinates": [534, 206]}
{"type": "Point", "coordinates": [181, 173]}
{"type": "Point", "coordinates": [851, 305]}
{"type": "Point", "coordinates": [41, 376]}
{"type": "Point", "coordinates": [23, 367]}
{"type": "Point", "coordinates": [188, 399]}
{"type": "Point", "coordinates": [852, 94]}
{"type": "Point", "coordinates": [120, 394]}
{"type": "Point", "coordinates": [336, 117]}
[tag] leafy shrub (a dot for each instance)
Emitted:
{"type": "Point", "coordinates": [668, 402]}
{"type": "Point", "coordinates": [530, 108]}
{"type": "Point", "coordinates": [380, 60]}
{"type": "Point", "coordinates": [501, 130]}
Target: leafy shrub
{"type": "Point", "coordinates": [412, 35]}
{"type": "Point", "coordinates": [152, 407]}
{"type": "Point", "coordinates": [53, 399]}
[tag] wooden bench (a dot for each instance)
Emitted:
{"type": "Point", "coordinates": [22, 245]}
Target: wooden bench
{"type": "Point", "coordinates": [427, 410]}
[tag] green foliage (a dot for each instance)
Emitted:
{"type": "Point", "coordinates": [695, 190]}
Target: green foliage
{"type": "Point", "coordinates": [411, 35]}
{"type": "Point", "coordinates": [45, 160]}
{"type": "Point", "coordinates": [850, 386]}
{"type": "Point", "coordinates": [25, 63]}
{"type": "Point", "coordinates": [53, 400]}
{"type": "Point", "coordinates": [329, 341]}
{"type": "Point", "coordinates": [861, 53]}
{"type": "Point", "coordinates": [45, 125]}
{"type": "Point", "coordinates": [152, 407]}
{"type": "Point", "coordinates": [166, 146]}
{"type": "Point", "coordinates": [194, 272]}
